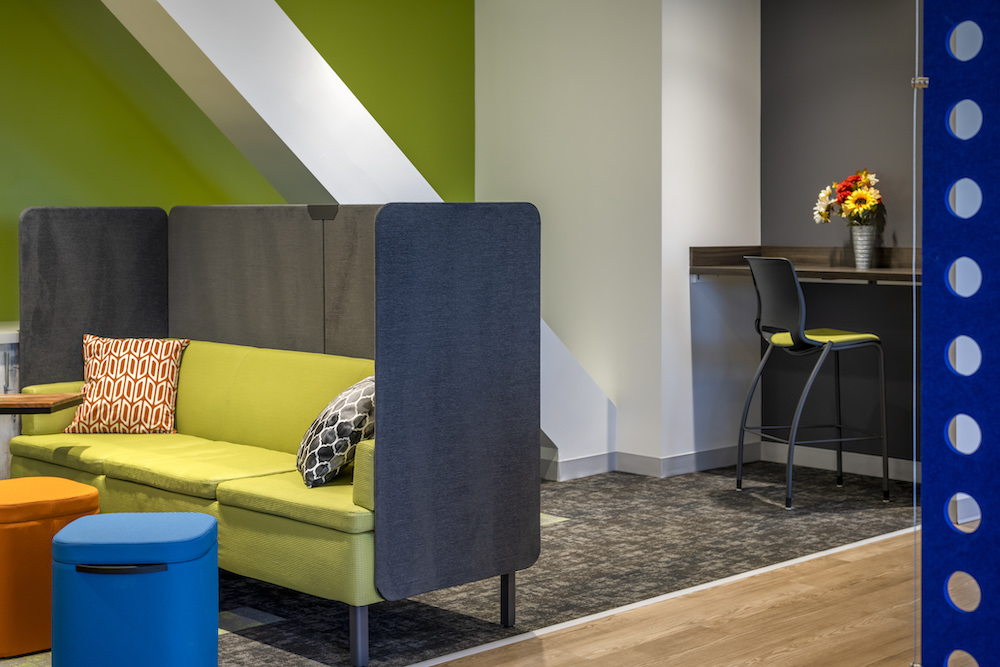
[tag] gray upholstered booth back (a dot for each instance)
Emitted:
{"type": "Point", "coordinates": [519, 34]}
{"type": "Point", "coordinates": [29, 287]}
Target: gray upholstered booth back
{"type": "Point", "coordinates": [87, 270]}
{"type": "Point", "coordinates": [444, 297]}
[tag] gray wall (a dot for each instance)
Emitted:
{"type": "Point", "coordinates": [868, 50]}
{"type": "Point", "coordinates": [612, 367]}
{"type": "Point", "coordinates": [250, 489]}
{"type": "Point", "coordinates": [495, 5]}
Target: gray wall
{"type": "Point", "coordinates": [835, 98]}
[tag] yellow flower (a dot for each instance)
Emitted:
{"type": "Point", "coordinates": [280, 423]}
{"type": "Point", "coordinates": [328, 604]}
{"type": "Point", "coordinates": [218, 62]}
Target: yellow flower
{"type": "Point", "coordinates": [861, 200]}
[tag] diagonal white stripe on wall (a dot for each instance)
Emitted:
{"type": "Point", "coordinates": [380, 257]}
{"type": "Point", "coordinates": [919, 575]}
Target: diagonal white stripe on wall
{"type": "Point", "coordinates": [253, 72]}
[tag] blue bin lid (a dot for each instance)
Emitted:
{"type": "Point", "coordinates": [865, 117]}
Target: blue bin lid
{"type": "Point", "coordinates": [135, 538]}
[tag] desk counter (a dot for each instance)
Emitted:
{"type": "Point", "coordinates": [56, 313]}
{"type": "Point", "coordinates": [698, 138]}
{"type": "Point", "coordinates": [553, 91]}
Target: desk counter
{"type": "Point", "coordinates": [892, 265]}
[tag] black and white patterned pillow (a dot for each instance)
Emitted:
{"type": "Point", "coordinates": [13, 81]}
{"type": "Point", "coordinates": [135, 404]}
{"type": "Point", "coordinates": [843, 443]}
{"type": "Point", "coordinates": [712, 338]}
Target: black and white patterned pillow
{"type": "Point", "coordinates": [330, 442]}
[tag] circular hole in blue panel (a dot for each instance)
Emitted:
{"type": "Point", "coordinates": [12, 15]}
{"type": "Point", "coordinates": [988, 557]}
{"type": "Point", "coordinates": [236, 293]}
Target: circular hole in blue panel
{"type": "Point", "coordinates": [964, 277]}
{"type": "Point", "coordinates": [963, 592]}
{"type": "Point", "coordinates": [964, 355]}
{"type": "Point", "coordinates": [965, 120]}
{"type": "Point", "coordinates": [965, 41]}
{"type": "Point", "coordinates": [965, 198]}
{"type": "Point", "coordinates": [960, 658]}
{"type": "Point", "coordinates": [963, 434]}
{"type": "Point", "coordinates": [963, 512]}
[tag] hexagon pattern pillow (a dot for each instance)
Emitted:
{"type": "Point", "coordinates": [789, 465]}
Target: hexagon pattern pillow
{"type": "Point", "coordinates": [330, 442]}
{"type": "Point", "coordinates": [130, 385]}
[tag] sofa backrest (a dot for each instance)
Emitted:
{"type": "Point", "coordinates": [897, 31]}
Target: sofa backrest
{"type": "Point", "coordinates": [260, 397]}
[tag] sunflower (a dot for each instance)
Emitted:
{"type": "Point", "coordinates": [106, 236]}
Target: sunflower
{"type": "Point", "coordinates": [862, 200]}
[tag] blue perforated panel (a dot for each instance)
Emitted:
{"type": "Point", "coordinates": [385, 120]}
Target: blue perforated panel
{"type": "Point", "coordinates": [945, 315]}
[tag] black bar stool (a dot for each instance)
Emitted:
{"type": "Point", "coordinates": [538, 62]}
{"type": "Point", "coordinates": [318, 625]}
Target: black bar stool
{"type": "Point", "coordinates": [781, 316]}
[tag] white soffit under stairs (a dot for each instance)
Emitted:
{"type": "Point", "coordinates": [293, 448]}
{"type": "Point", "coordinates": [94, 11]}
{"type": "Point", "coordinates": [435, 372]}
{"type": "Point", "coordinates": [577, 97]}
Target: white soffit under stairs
{"type": "Point", "coordinates": [257, 77]}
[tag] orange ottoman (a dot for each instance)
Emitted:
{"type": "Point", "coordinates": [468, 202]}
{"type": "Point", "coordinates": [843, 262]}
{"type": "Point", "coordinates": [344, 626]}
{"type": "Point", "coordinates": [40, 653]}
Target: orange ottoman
{"type": "Point", "coordinates": [32, 510]}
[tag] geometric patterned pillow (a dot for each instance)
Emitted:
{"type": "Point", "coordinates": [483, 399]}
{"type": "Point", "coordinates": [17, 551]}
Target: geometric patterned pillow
{"type": "Point", "coordinates": [130, 385]}
{"type": "Point", "coordinates": [329, 443]}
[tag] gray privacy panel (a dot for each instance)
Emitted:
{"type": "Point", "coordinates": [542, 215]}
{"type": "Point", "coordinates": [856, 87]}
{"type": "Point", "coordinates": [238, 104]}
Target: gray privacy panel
{"type": "Point", "coordinates": [457, 374]}
{"type": "Point", "coordinates": [349, 278]}
{"type": "Point", "coordinates": [247, 275]}
{"type": "Point", "coordinates": [87, 270]}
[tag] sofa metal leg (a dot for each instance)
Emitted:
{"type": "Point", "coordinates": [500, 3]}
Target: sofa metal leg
{"type": "Point", "coordinates": [359, 635]}
{"type": "Point", "coordinates": [507, 600]}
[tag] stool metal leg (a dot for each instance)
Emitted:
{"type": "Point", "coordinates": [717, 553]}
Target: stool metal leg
{"type": "Point", "coordinates": [840, 420]}
{"type": "Point", "coordinates": [885, 435]}
{"type": "Point", "coordinates": [798, 416]}
{"type": "Point", "coordinates": [359, 635]}
{"type": "Point", "coordinates": [746, 411]}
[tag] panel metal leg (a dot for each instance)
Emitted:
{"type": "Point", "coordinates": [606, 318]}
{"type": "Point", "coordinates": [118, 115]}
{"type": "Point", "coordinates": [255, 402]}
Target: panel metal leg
{"type": "Point", "coordinates": [885, 435]}
{"type": "Point", "coordinates": [507, 600]}
{"type": "Point", "coordinates": [798, 415]}
{"type": "Point", "coordinates": [746, 411]}
{"type": "Point", "coordinates": [359, 635]}
{"type": "Point", "coordinates": [840, 419]}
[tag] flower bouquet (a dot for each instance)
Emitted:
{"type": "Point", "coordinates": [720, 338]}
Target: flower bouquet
{"type": "Point", "coordinates": [854, 198]}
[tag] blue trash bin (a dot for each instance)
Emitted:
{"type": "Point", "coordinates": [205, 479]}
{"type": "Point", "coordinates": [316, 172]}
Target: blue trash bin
{"type": "Point", "coordinates": [136, 589]}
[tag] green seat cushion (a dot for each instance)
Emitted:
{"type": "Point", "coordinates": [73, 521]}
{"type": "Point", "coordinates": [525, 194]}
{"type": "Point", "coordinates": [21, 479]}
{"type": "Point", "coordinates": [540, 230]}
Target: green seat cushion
{"type": "Point", "coordinates": [88, 451]}
{"type": "Point", "coordinates": [195, 468]}
{"type": "Point", "coordinates": [824, 336]}
{"type": "Point", "coordinates": [331, 505]}
{"type": "Point", "coordinates": [261, 397]}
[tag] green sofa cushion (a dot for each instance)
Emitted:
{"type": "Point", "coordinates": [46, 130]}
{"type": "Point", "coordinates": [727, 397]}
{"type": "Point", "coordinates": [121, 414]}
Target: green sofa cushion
{"type": "Point", "coordinates": [88, 451]}
{"type": "Point", "coordinates": [195, 468]}
{"type": "Point", "coordinates": [50, 422]}
{"type": "Point", "coordinates": [260, 397]}
{"type": "Point", "coordinates": [364, 475]}
{"type": "Point", "coordinates": [331, 505]}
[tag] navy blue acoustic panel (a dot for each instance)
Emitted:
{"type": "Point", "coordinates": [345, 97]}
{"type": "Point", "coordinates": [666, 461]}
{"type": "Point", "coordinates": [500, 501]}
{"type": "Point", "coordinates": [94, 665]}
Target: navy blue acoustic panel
{"type": "Point", "coordinates": [960, 347]}
{"type": "Point", "coordinates": [457, 319]}
{"type": "Point", "coordinates": [84, 270]}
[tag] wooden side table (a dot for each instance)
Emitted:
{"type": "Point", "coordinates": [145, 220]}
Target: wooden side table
{"type": "Point", "coordinates": [33, 404]}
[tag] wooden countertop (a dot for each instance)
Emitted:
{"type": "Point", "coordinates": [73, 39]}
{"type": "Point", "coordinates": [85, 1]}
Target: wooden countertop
{"type": "Point", "coordinates": [825, 263]}
{"type": "Point", "coordinates": [31, 404]}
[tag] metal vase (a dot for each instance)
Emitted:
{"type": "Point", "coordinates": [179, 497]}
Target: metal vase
{"type": "Point", "coordinates": [864, 245]}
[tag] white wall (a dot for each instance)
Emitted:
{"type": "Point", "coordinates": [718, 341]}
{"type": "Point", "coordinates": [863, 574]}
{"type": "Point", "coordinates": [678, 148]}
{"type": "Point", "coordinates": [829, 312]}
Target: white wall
{"type": "Point", "coordinates": [711, 196]}
{"type": "Point", "coordinates": [634, 127]}
{"type": "Point", "coordinates": [568, 118]}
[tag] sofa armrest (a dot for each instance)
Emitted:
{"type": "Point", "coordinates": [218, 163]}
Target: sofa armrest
{"type": "Point", "coordinates": [55, 422]}
{"type": "Point", "coordinates": [364, 475]}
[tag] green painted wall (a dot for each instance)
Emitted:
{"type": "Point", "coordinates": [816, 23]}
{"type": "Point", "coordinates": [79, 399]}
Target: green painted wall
{"type": "Point", "coordinates": [412, 64]}
{"type": "Point", "coordinates": [88, 118]}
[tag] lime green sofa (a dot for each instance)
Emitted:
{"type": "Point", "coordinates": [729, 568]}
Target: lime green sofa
{"type": "Point", "coordinates": [445, 297]}
{"type": "Point", "coordinates": [241, 413]}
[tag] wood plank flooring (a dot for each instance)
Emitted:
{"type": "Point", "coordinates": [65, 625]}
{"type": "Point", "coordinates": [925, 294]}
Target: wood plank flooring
{"type": "Point", "coordinates": [850, 609]}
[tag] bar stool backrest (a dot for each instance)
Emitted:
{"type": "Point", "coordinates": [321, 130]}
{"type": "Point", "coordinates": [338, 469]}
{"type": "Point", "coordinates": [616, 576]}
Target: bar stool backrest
{"type": "Point", "coordinates": [781, 307]}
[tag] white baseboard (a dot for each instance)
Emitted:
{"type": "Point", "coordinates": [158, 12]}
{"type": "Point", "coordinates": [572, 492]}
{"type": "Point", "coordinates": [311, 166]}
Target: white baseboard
{"type": "Point", "coordinates": [638, 464]}
{"type": "Point", "coordinates": [651, 466]}
{"type": "Point", "coordinates": [826, 459]}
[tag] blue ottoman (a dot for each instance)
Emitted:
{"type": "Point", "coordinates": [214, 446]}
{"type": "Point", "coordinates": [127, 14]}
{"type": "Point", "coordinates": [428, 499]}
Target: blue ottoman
{"type": "Point", "coordinates": [136, 589]}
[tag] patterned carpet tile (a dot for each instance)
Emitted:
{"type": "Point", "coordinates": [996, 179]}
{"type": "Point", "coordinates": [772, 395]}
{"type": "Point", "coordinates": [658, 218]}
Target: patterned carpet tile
{"type": "Point", "coordinates": [607, 541]}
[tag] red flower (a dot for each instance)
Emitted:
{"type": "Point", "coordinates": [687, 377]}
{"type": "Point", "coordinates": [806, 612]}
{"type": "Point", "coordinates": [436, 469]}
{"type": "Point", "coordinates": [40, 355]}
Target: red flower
{"type": "Point", "coordinates": [846, 187]}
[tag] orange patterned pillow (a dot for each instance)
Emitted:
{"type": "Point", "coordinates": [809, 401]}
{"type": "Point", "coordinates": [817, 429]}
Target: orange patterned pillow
{"type": "Point", "coordinates": [130, 385]}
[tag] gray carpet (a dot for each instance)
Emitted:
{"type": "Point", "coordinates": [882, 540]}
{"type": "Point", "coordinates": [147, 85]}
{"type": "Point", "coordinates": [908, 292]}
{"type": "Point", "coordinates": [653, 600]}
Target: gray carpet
{"type": "Point", "coordinates": [626, 538]}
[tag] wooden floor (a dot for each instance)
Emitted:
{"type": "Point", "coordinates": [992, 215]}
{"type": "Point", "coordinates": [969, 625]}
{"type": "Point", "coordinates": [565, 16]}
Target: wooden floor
{"type": "Point", "coordinates": [854, 609]}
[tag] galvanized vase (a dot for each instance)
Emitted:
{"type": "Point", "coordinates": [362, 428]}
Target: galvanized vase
{"type": "Point", "coordinates": [864, 245]}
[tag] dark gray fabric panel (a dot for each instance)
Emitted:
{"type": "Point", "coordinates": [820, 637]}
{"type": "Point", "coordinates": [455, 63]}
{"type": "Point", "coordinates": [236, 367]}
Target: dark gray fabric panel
{"type": "Point", "coordinates": [87, 270]}
{"type": "Point", "coordinates": [349, 247]}
{"type": "Point", "coordinates": [457, 381]}
{"type": "Point", "coordinates": [247, 275]}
